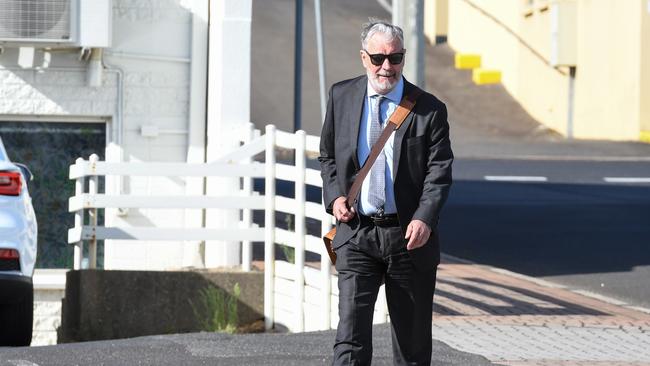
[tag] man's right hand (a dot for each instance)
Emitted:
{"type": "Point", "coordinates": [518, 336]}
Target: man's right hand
{"type": "Point", "coordinates": [341, 210]}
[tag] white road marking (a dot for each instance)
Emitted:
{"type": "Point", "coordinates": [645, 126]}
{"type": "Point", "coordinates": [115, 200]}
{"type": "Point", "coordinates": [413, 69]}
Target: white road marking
{"type": "Point", "coordinates": [564, 158]}
{"type": "Point", "coordinates": [514, 178]}
{"type": "Point", "coordinates": [22, 363]}
{"type": "Point", "coordinates": [627, 180]}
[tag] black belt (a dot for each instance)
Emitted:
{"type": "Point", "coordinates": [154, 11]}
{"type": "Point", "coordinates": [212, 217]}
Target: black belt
{"type": "Point", "coordinates": [385, 220]}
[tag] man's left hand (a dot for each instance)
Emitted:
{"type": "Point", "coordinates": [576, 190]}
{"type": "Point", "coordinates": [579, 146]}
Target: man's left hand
{"type": "Point", "coordinates": [418, 233]}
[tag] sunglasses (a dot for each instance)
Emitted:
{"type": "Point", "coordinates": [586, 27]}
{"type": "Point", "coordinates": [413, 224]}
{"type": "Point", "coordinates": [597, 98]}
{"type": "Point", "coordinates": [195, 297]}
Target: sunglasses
{"type": "Point", "coordinates": [378, 58]}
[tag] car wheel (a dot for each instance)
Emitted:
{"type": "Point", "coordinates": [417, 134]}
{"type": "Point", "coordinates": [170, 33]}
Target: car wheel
{"type": "Point", "coordinates": [17, 321]}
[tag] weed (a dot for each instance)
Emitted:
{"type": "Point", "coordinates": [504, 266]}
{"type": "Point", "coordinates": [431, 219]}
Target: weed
{"type": "Point", "coordinates": [217, 310]}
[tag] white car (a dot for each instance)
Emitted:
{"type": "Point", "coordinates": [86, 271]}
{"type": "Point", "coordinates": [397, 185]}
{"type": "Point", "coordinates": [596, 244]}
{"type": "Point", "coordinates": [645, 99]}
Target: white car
{"type": "Point", "coordinates": [18, 236]}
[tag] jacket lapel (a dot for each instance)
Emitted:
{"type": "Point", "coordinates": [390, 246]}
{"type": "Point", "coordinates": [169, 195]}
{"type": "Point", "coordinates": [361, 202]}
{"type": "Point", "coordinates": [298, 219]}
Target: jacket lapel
{"type": "Point", "coordinates": [399, 134]}
{"type": "Point", "coordinates": [357, 98]}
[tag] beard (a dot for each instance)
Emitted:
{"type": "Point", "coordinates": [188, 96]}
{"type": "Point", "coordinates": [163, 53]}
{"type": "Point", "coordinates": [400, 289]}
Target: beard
{"type": "Point", "coordinates": [383, 86]}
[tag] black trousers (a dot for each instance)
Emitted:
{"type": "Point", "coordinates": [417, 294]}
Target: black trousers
{"type": "Point", "coordinates": [373, 255]}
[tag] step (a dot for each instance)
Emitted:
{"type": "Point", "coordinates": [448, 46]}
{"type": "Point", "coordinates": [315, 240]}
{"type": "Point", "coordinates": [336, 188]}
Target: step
{"type": "Point", "coordinates": [467, 61]}
{"type": "Point", "coordinates": [486, 76]}
{"type": "Point", "coordinates": [644, 136]}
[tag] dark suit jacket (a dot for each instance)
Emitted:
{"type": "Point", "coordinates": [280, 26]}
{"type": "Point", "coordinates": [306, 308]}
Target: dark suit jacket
{"type": "Point", "coordinates": [422, 161]}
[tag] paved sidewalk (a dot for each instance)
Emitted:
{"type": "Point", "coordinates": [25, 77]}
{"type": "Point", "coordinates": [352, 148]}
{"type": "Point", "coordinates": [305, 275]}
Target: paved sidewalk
{"type": "Point", "coordinates": [519, 321]}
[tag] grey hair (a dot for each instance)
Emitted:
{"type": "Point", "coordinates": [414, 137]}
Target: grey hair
{"type": "Point", "coordinates": [375, 26]}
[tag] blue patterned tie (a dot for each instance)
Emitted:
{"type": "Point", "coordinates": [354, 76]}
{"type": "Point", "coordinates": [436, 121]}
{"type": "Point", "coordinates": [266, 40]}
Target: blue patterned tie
{"type": "Point", "coordinates": [377, 185]}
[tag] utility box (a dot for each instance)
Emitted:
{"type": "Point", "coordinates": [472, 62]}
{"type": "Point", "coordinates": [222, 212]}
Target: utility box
{"type": "Point", "coordinates": [564, 32]}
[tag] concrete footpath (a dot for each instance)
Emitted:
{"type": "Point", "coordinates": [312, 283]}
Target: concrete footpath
{"type": "Point", "coordinates": [519, 321]}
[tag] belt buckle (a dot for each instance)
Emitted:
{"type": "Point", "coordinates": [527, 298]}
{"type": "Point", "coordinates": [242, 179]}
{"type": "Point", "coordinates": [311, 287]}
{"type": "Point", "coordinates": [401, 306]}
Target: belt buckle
{"type": "Point", "coordinates": [380, 213]}
{"type": "Point", "coordinates": [379, 217]}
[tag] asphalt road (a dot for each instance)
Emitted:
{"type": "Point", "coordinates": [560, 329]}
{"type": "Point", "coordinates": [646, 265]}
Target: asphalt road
{"type": "Point", "coordinates": [580, 227]}
{"type": "Point", "coordinates": [616, 174]}
{"type": "Point", "coordinates": [218, 349]}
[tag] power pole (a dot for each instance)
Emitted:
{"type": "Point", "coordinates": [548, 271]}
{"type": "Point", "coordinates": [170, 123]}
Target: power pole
{"type": "Point", "coordinates": [297, 69]}
{"type": "Point", "coordinates": [321, 58]}
{"type": "Point", "coordinates": [409, 15]}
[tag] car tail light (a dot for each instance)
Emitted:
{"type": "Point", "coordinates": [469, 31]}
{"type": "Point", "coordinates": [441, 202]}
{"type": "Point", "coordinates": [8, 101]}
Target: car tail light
{"type": "Point", "coordinates": [9, 260]}
{"type": "Point", "coordinates": [9, 254]}
{"type": "Point", "coordinates": [10, 183]}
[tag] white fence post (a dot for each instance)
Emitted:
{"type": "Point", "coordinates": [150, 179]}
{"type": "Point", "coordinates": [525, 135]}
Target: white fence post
{"type": "Point", "coordinates": [247, 214]}
{"type": "Point", "coordinates": [300, 229]}
{"type": "Point", "coordinates": [269, 229]}
{"type": "Point", "coordinates": [79, 219]}
{"type": "Point", "coordinates": [92, 190]}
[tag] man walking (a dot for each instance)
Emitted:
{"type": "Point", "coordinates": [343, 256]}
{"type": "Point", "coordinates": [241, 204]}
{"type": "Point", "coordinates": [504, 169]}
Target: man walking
{"type": "Point", "coordinates": [389, 233]}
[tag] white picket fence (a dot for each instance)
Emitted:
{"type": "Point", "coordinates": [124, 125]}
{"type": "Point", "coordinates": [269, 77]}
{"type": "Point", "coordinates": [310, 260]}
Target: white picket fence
{"type": "Point", "coordinates": [299, 296]}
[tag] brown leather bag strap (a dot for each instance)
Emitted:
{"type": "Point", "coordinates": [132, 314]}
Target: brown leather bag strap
{"type": "Point", "coordinates": [394, 122]}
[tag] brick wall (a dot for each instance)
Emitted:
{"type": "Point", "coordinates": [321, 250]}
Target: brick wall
{"type": "Point", "coordinates": [54, 93]}
{"type": "Point", "coordinates": [49, 289]}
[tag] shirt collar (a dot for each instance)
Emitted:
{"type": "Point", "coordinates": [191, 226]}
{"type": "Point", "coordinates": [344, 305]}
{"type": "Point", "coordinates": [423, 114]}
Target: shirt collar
{"type": "Point", "coordinates": [394, 95]}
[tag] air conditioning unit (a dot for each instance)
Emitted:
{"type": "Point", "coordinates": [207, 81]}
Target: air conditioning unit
{"type": "Point", "coordinates": [55, 23]}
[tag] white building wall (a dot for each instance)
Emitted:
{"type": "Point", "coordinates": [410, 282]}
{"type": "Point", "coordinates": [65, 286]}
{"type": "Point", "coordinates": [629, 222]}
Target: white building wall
{"type": "Point", "coordinates": [151, 50]}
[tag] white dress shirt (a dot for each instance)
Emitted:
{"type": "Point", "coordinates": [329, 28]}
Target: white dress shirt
{"type": "Point", "coordinates": [389, 105]}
